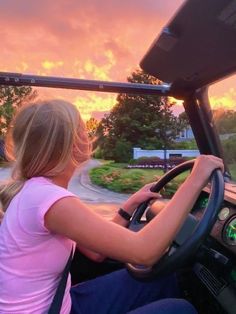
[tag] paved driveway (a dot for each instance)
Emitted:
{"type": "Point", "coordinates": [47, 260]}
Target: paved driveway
{"type": "Point", "coordinates": [101, 200]}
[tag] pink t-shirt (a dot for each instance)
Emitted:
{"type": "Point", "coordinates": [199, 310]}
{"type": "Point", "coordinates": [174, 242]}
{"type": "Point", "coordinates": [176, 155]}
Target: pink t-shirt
{"type": "Point", "coordinates": [32, 258]}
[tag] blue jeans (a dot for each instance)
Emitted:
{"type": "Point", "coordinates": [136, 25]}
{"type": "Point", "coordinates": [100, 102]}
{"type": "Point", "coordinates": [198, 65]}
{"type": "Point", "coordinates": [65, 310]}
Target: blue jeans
{"type": "Point", "coordinates": [119, 293]}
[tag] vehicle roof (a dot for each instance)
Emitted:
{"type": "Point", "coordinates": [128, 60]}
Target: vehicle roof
{"type": "Point", "coordinates": [197, 47]}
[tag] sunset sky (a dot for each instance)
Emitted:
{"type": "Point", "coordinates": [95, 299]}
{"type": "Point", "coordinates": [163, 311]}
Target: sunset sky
{"type": "Point", "coordinates": [92, 39]}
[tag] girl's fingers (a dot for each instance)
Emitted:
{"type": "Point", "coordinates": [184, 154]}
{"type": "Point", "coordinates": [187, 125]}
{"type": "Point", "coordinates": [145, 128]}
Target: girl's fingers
{"type": "Point", "coordinates": [155, 195]}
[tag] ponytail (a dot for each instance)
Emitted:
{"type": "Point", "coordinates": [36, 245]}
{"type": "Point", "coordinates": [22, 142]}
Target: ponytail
{"type": "Point", "coordinates": [8, 191]}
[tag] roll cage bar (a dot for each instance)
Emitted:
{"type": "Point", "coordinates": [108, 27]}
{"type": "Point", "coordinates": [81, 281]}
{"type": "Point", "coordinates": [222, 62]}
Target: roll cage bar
{"type": "Point", "coordinates": [18, 79]}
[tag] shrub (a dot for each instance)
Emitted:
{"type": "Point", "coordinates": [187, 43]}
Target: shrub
{"type": "Point", "coordinates": [98, 153]}
{"type": "Point", "coordinates": [122, 151]}
{"type": "Point", "coordinates": [148, 161]}
{"type": "Point", "coordinates": [229, 147]}
{"type": "Point", "coordinates": [156, 162]}
{"type": "Point", "coordinates": [175, 160]}
{"type": "Point", "coordinates": [191, 144]}
{"type": "Point", "coordinates": [116, 178]}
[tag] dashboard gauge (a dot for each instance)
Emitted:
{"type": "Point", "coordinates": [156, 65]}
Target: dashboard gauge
{"type": "Point", "coordinates": [224, 213]}
{"type": "Point", "coordinates": [229, 232]}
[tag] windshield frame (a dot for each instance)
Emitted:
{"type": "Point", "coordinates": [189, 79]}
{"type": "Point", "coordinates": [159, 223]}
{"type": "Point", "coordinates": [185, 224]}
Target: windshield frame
{"type": "Point", "coordinates": [199, 112]}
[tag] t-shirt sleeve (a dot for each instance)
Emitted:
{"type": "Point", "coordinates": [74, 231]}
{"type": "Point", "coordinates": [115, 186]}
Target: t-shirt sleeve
{"type": "Point", "coordinates": [50, 197]}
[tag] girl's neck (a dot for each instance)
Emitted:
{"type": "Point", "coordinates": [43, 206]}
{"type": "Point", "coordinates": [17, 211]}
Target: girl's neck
{"type": "Point", "coordinates": [63, 182]}
{"type": "Point", "coordinates": [63, 178]}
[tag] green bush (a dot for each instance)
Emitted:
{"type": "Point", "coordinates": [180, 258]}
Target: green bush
{"type": "Point", "coordinates": [118, 178]}
{"type": "Point", "coordinates": [229, 147]}
{"type": "Point", "coordinates": [122, 151]}
{"type": "Point", "coordinates": [98, 153]}
{"type": "Point", "coordinates": [185, 145]}
{"type": "Point", "coordinates": [148, 161]}
{"type": "Point", "coordinates": [156, 161]}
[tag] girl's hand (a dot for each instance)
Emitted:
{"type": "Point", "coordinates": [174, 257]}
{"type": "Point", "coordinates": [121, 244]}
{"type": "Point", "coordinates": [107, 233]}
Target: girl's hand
{"type": "Point", "coordinates": [204, 166]}
{"type": "Point", "coordinates": [142, 195]}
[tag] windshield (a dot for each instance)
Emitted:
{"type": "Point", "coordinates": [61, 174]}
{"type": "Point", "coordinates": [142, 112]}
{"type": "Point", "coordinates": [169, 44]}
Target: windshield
{"type": "Point", "coordinates": [223, 103]}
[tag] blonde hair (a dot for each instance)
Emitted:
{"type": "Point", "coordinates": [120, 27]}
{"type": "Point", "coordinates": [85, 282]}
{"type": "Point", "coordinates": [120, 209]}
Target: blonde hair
{"type": "Point", "coordinates": [42, 139]}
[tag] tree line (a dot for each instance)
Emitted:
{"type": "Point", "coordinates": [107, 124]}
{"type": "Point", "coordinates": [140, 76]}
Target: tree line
{"type": "Point", "coordinates": [144, 121]}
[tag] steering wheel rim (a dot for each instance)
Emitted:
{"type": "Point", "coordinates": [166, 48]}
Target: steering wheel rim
{"type": "Point", "coordinates": [170, 263]}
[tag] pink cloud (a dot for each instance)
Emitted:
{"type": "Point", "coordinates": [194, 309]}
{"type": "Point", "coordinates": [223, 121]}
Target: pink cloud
{"type": "Point", "coordinates": [68, 30]}
{"type": "Point", "coordinates": [62, 37]}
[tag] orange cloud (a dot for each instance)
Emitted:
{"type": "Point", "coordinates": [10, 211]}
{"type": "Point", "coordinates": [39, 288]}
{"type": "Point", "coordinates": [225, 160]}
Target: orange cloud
{"type": "Point", "coordinates": [227, 101]}
{"type": "Point", "coordinates": [93, 39]}
{"type": "Point", "coordinates": [49, 65]}
{"type": "Point", "coordinates": [22, 67]}
{"type": "Point", "coordinates": [94, 103]}
{"type": "Point", "coordinates": [101, 72]}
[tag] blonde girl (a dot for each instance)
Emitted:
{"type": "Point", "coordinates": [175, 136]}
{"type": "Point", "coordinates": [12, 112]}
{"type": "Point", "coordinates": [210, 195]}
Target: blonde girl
{"type": "Point", "coordinates": [43, 221]}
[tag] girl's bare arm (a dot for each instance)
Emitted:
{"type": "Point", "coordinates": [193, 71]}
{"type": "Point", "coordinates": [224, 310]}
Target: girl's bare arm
{"type": "Point", "coordinates": [71, 218]}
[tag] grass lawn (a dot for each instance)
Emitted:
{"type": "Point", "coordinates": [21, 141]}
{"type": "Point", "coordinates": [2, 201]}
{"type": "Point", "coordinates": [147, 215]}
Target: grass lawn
{"type": "Point", "coordinates": [232, 169]}
{"type": "Point", "coordinates": [116, 177]}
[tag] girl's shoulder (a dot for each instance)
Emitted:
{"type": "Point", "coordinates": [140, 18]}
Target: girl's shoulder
{"type": "Point", "coordinates": [42, 183]}
{"type": "Point", "coordinates": [41, 190]}
{"type": "Point", "coordinates": [35, 199]}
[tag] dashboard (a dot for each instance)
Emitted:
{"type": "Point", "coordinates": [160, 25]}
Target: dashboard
{"type": "Point", "coordinates": [214, 264]}
{"type": "Point", "coordinates": [224, 230]}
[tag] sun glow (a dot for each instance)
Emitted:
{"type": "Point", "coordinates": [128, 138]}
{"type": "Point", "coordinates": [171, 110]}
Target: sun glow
{"type": "Point", "coordinates": [49, 65]}
{"type": "Point", "coordinates": [92, 104]}
{"type": "Point", "coordinates": [224, 100]}
{"type": "Point", "coordinates": [227, 101]}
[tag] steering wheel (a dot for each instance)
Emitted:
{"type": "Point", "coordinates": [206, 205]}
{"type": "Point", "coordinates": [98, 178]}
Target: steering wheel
{"type": "Point", "coordinates": [192, 233]}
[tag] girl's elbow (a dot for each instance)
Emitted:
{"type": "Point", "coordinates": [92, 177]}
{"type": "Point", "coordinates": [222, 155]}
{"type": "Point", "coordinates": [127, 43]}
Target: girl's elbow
{"type": "Point", "coordinates": [96, 257]}
{"type": "Point", "coordinates": [146, 258]}
{"type": "Point", "coordinates": [151, 259]}
{"type": "Point", "coordinates": [99, 258]}
{"type": "Point", "coordinates": [148, 255]}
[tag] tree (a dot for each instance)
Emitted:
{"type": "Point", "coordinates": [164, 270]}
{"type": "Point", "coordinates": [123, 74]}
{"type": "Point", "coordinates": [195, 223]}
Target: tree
{"type": "Point", "coordinates": [229, 146]}
{"type": "Point", "coordinates": [91, 126]}
{"type": "Point", "coordinates": [145, 121]}
{"type": "Point", "coordinates": [182, 124]}
{"type": "Point", "coordinates": [11, 98]}
{"type": "Point", "coordinates": [183, 121]}
{"type": "Point", "coordinates": [225, 120]}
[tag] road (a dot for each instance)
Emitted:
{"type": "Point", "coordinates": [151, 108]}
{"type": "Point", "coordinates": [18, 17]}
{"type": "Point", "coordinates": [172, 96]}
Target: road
{"type": "Point", "coordinates": [99, 199]}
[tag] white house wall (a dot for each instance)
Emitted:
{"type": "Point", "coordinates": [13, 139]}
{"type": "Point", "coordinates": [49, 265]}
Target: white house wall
{"type": "Point", "coordinates": [138, 152]}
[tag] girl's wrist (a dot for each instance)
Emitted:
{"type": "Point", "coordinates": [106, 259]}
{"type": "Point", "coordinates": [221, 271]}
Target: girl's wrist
{"type": "Point", "coordinates": [129, 206]}
{"type": "Point", "coordinates": [196, 181]}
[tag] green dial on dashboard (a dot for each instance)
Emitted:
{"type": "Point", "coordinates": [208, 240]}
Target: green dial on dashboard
{"type": "Point", "coordinates": [230, 232]}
